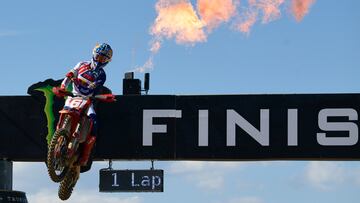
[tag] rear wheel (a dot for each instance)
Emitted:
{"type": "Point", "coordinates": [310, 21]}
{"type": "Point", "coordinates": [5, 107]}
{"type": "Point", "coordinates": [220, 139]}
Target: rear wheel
{"type": "Point", "coordinates": [67, 185]}
{"type": "Point", "coordinates": [56, 165]}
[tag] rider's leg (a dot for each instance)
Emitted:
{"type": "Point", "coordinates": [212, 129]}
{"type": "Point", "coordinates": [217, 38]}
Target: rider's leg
{"type": "Point", "coordinates": [88, 146]}
{"type": "Point", "coordinates": [91, 139]}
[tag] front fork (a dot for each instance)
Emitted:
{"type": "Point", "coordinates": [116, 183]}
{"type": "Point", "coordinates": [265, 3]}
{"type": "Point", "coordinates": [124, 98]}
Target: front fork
{"type": "Point", "coordinates": [60, 122]}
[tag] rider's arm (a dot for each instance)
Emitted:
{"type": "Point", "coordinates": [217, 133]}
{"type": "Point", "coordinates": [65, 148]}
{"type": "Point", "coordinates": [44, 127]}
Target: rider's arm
{"type": "Point", "coordinates": [101, 80]}
{"type": "Point", "coordinates": [99, 83]}
{"type": "Point", "coordinates": [70, 75]}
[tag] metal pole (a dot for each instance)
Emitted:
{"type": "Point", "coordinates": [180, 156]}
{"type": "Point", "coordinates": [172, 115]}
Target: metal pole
{"type": "Point", "coordinates": [110, 164]}
{"type": "Point", "coordinates": [7, 194]}
{"type": "Point", "coordinates": [6, 175]}
{"type": "Point", "coordinates": [152, 165]}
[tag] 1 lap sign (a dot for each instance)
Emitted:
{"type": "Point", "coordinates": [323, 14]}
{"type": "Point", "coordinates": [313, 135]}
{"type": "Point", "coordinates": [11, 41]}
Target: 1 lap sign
{"type": "Point", "coordinates": [131, 181]}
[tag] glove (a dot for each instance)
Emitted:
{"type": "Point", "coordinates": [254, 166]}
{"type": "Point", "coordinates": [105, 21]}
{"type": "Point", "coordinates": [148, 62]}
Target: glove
{"type": "Point", "coordinates": [59, 92]}
{"type": "Point", "coordinates": [92, 85]}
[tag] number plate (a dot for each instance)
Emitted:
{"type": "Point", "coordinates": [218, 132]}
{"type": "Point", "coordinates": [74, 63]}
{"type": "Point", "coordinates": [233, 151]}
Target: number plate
{"type": "Point", "coordinates": [76, 102]}
{"type": "Point", "coordinates": [131, 181]}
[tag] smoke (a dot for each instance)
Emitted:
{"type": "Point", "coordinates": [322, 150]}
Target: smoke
{"type": "Point", "coordinates": [155, 46]}
{"type": "Point", "coordinates": [246, 22]}
{"type": "Point", "coordinates": [178, 20]}
{"type": "Point", "coordinates": [270, 9]}
{"type": "Point", "coordinates": [149, 65]}
{"type": "Point", "coordinates": [300, 8]}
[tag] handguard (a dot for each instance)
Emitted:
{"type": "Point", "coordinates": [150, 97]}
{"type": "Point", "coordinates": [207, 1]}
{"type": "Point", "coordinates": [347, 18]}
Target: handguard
{"type": "Point", "coordinates": [106, 97]}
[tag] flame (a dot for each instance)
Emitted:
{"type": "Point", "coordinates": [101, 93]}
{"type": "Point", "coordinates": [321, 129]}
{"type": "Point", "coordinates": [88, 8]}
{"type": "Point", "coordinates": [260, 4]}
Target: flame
{"type": "Point", "coordinates": [215, 12]}
{"type": "Point", "coordinates": [300, 8]}
{"type": "Point", "coordinates": [270, 9]}
{"type": "Point", "coordinates": [248, 21]}
{"type": "Point", "coordinates": [177, 19]}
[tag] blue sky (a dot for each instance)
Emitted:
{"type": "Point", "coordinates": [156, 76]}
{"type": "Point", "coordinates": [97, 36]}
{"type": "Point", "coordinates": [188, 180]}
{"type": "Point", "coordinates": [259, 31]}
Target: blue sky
{"type": "Point", "coordinates": [321, 54]}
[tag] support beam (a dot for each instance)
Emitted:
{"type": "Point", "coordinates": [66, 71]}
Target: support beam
{"type": "Point", "coordinates": [6, 175]}
{"type": "Point", "coordinates": [7, 195]}
{"type": "Point", "coordinates": [196, 127]}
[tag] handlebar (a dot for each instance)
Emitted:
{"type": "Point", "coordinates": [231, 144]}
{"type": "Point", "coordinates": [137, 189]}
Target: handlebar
{"type": "Point", "coordinates": [60, 92]}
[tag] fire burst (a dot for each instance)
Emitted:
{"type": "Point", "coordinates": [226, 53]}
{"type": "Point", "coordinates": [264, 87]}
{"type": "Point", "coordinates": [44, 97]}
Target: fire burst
{"type": "Point", "coordinates": [177, 19]}
{"type": "Point", "coordinates": [300, 8]}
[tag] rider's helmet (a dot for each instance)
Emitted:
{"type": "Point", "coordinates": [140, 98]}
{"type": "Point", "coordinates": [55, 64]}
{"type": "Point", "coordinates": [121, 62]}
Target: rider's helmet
{"type": "Point", "coordinates": [102, 54]}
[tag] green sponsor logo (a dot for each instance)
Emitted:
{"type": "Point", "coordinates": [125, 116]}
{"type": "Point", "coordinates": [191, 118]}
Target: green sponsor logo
{"type": "Point", "coordinates": [48, 109]}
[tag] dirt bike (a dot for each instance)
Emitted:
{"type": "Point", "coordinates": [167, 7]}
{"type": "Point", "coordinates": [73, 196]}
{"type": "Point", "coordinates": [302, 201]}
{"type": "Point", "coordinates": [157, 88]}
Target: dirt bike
{"type": "Point", "coordinates": [64, 150]}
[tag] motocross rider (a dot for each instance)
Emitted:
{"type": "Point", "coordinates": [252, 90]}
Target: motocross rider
{"type": "Point", "coordinates": [87, 77]}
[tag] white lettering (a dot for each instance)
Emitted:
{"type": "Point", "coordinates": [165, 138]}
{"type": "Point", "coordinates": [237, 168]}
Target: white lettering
{"type": "Point", "coordinates": [149, 128]}
{"type": "Point", "coordinates": [233, 119]}
{"type": "Point", "coordinates": [203, 128]}
{"type": "Point", "coordinates": [133, 180]}
{"type": "Point", "coordinates": [292, 127]}
{"type": "Point", "coordinates": [351, 127]}
{"type": "Point", "coordinates": [156, 181]}
{"type": "Point", "coordinates": [115, 184]}
{"type": "Point", "coordinates": [145, 181]}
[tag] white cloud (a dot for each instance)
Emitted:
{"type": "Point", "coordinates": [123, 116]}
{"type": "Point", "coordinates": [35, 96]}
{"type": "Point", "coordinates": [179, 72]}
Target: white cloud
{"type": "Point", "coordinates": [20, 167]}
{"type": "Point", "coordinates": [324, 175]}
{"type": "Point", "coordinates": [201, 166]}
{"type": "Point", "coordinates": [186, 167]}
{"type": "Point", "coordinates": [45, 196]}
{"type": "Point", "coordinates": [226, 165]}
{"type": "Point", "coordinates": [356, 175]}
{"type": "Point", "coordinates": [33, 179]}
{"type": "Point", "coordinates": [208, 180]}
{"type": "Point", "coordinates": [205, 175]}
{"type": "Point", "coordinates": [27, 173]}
{"type": "Point", "coordinates": [246, 200]}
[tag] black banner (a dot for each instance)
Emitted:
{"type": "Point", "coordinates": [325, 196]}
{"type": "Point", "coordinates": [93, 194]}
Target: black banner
{"type": "Point", "coordinates": [131, 180]}
{"type": "Point", "coordinates": [208, 127]}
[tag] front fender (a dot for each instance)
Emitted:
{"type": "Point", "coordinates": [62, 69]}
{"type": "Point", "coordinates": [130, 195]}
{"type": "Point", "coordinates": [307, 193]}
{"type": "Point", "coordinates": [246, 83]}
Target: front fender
{"type": "Point", "coordinates": [64, 111]}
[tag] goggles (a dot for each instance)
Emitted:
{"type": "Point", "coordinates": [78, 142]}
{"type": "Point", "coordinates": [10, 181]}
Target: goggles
{"type": "Point", "coordinates": [101, 58]}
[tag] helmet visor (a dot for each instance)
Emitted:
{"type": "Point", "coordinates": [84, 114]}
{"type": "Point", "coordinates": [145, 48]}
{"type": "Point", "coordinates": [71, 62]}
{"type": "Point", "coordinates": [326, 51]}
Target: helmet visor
{"type": "Point", "coordinates": [101, 58]}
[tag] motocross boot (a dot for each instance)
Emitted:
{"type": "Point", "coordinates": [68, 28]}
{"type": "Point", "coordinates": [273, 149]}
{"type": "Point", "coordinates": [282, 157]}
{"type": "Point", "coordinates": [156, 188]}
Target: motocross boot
{"type": "Point", "coordinates": [88, 145]}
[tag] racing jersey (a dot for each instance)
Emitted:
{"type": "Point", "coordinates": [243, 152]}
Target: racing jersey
{"type": "Point", "coordinates": [85, 79]}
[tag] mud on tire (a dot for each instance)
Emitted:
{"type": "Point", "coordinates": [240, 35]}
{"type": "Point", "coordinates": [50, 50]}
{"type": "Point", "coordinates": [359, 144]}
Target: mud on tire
{"type": "Point", "coordinates": [67, 185]}
{"type": "Point", "coordinates": [51, 159]}
{"type": "Point", "coordinates": [50, 156]}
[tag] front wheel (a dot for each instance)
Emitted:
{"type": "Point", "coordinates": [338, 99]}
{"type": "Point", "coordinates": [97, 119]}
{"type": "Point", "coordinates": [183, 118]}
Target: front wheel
{"type": "Point", "coordinates": [57, 168]}
{"type": "Point", "coordinates": [67, 185]}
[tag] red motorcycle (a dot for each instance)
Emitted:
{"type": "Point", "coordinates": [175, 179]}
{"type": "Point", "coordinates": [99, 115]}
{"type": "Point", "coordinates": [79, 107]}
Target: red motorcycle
{"type": "Point", "coordinates": [73, 129]}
